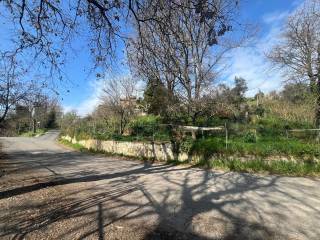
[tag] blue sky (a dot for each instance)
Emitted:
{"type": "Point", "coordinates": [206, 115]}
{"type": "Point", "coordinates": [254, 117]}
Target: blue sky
{"type": "Point", "coordinates": [81, 90]}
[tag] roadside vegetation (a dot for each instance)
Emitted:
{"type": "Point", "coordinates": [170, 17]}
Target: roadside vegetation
{"type": "Point", "coordinates": [30, 119]}
{"type": "Point", "coordinates": [276, 132]}
{"type": "Point", "coordinates": [176, 54]}
{"type": "Point", "coordinates": [256, 165]}
{"type": "Point", "coordinates": [259, 133]}
{"type": "Point", "coordinates": [74, 146]}
{"type": "Point", "coordinates": [288, 168]}
{"type": "Point", "coordinates": [39, 132]}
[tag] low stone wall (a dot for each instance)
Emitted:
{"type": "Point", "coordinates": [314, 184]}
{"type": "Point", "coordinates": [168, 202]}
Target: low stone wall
{"type": "Point", "coordinates": [164, 151]}
{"type": "Point", "coordinates": [157, 151]}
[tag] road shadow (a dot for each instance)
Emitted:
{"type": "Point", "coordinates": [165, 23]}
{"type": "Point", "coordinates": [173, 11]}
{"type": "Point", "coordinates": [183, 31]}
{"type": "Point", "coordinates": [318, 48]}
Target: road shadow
{"type": "Point", "coordinates": [50, 161]}
{"type": "Point", "coordinates": [178, 202]}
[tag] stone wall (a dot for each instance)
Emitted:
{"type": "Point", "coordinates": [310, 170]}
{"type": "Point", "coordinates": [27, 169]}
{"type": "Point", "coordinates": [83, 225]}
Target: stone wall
{"type": "Point", "coordinates": [157, 151]}
{"type": "Point", "coordinates": [163, 151]}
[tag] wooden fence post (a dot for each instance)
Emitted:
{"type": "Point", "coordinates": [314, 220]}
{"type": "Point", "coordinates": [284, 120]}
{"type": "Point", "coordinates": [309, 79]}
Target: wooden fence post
{"type": "Point", "coordinates": [226, 129]}
{"type": "Point", "coordinates": [152, 132]}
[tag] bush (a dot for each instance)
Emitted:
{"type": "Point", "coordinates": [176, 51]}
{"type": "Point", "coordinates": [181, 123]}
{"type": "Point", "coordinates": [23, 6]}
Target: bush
{"type": "Point", "coordinates": [144, 125]}
{"type": "Point", "coordinates": [208, 147]}
{"type": "Point", "coordinates": [82, 135]}
{"type": "Point", "coordinates": [250, 137]}
{"type": "Point", "coordinates": [186, 145]}
{"type": "Point", "coordinates": [259, 110]}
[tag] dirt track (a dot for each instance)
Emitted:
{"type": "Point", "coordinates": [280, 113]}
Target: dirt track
{"type": "Point", "coordinates": [49, 192]}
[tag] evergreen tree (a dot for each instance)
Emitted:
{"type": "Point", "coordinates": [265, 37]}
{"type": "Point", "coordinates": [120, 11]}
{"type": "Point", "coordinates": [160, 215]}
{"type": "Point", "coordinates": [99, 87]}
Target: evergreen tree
{"type": "Point", "coordinates": [51, 121]}
{"type": "Point", "coordinates": [156, 97]}
{"type": "Point", "coordinates": [239, 91]}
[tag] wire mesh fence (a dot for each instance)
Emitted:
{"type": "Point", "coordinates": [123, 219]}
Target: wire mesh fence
{"type": "Point", "coordinates": [168, 132]}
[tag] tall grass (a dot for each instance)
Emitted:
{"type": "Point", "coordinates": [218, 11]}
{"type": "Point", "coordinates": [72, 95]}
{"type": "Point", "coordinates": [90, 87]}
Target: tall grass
{"type": "Point", "coordinates": [299, 113]}
{"type": "Point", "coordinates": [264, 147]}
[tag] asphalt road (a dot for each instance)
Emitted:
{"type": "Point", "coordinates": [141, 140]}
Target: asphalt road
{"type": "Point", "coordinates": [50, 192]}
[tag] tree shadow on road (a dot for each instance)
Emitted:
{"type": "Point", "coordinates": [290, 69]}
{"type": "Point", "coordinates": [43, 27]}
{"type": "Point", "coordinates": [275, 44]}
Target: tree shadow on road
{"type": "Point", "coordinates": [151, 202]}
{"type": "Point", "coordinates": [73, 160]}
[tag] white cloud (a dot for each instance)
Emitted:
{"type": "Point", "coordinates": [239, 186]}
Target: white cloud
{"type": "Point", "coordinates": [252, 64]}
{"type": "Point", "coordinates": [275, 17]}
{"type": "Point", "coordinates": [67, 108]}
{"type": "Point", "coordinates": [249, 63]}
{"type": "Point", "coordinates": [88, 105]}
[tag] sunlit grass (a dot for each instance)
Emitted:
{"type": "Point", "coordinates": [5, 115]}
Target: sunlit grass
{"type": "Point", "coordinates": [264, 147]}
{"type": "Point", "coordinates": [38, 132]}
{"type": "Point", "coordinates": [75, 146]}
{"type": "Point", "coordinates": [289, 168]}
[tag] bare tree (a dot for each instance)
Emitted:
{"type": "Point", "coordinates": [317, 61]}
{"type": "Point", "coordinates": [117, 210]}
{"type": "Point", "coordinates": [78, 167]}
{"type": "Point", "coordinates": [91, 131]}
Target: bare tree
{"type": "Point", "coordinates": [14, 89]}
{"type": "Point", "coordinates": [178, 53]}
{"type": "Point", "coordinates": [43, 27]}
{"type": "Point", "coordinates": [68, 122]}
{"type": "Point", "coordinates": [43, 109]}
{"type": "Point", "coordinates": [120, 100]}
{"type": "Point", "coordinates": [299, 51]}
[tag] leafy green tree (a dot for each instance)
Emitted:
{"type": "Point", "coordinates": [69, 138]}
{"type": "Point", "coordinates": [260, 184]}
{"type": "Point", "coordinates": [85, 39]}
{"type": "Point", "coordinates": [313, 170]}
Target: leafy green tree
{"type": "Point", "coordinates": [156, 98]}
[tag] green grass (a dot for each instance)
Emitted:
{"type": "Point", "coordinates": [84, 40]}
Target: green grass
{"type": "Point", "coordinates": [75, 146]}
{"type": "Point", "coordinates": [158, 137]}
{"type": "Point", "coordinates": [264, 147]}
{"type": "Point", "coordinates": [38, 132]}
{"type": "Point", "coordinates": [289, 168]}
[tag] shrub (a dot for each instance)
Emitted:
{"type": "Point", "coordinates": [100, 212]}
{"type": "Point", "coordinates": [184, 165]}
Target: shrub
{"type": "Point", "coordinates": [259, 110]}
{"type": "Point", "coordinates": [186, 145]}
{"type": "Point", "coordinates": [144, 125]}
{"type": "Point", "coordinates": [250, 137]}
{"type": "Point", "coordinates": [208, 147]}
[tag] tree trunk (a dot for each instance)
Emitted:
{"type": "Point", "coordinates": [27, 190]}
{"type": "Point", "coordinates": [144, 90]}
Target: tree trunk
{"type": "Point", "coordinates": [317, 110]}
{"type": "Point", "coordinates": [317, 117]}
{"type": "Point", "coordinates": [4, 114]}
{"type": "Point", "coordinates": [34, 125]}
{"type": "Point", "coordinates": [317, 113]}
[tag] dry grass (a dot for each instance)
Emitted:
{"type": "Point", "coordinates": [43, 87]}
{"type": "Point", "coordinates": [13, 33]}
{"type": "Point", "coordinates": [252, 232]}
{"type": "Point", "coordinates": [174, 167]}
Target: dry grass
{"type": "Point", "coordinates": [291, 112]}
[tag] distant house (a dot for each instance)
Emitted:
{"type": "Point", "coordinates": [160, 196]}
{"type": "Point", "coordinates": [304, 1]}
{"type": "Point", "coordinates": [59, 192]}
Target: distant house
{"type": "Point", "coordinates": [128, 102]}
